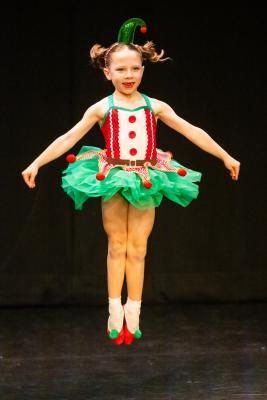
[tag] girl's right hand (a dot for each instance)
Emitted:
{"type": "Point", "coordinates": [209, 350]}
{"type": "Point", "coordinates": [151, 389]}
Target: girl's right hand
{"type": "Point", "coordinates": [29, 174]}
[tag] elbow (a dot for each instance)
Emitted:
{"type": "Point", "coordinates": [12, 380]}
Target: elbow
{"type": "Point", "coordinates": [197, 131]}
{"type": "Point", "coordinates": [64, 143]}
{"type": "Point", "coordinates": [69, 139]}
{"type": "Point", "coordinates": [195, 134]}
{"type": "Point", "coordinates": [68, 142]}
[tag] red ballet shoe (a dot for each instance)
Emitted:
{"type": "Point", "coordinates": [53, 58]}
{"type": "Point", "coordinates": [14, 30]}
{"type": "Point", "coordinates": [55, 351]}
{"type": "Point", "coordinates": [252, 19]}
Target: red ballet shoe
{"type": "Point", "coordinates": [129, 337]}
{"type": "Point", "coordinates": [115, 336]}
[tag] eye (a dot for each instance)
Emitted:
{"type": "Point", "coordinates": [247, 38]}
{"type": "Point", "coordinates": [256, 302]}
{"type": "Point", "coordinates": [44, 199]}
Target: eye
{"type": "Point", "coordinates": [136, 68]}
{"type": "Point", "coordinates": [119, 69]}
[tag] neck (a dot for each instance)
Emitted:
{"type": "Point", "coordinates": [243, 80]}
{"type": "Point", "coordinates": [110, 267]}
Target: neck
{"type": "Point", "coordinates": [131, 97]}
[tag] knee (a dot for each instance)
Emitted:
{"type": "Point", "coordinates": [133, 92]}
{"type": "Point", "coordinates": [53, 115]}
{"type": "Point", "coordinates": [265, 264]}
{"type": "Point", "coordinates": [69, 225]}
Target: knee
{"type": "Point", "coordinates": [136, 250]}
{"type": "Point", "coordinates": [117, 247]}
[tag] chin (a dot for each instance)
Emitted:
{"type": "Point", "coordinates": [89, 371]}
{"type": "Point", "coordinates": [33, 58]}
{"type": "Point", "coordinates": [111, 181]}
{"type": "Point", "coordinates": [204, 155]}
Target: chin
{"type": "Point", "coordinates": [128, 91]}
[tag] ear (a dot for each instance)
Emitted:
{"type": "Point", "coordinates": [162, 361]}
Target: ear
{"type": "Point", "coordinates": [107, 73]}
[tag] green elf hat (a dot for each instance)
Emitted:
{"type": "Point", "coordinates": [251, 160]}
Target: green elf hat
{"type": "Point", "coordinates": [127, 30]}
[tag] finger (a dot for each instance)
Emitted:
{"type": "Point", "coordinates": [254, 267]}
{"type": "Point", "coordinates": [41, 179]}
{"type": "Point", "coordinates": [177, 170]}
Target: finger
{"type": "Point", "coordinates": [26, 178]}
{"type": "Point", "coordinates": [233, 173]}
{"type": "Point", "coordinates": [31, 181]}
{"type": "Point", "coordinates": [31, 178]}
{"type": "Point", "coordinates": [237, 171]}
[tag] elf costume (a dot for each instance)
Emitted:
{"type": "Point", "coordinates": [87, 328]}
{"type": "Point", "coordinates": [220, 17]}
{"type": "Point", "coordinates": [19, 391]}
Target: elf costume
{"type": "Point", "coordinates": [131, 164]}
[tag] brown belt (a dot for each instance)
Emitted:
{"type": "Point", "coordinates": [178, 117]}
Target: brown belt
{"type": "Point", "coordinates": [130, 163]}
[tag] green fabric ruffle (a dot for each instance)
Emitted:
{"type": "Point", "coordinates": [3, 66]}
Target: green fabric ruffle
{"type": "Point", "coordinates": [79, 182]}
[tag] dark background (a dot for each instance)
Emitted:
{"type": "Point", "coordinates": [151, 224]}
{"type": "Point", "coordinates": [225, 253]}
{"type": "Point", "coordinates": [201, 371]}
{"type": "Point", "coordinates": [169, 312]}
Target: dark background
{"type": "Point", "coordinates": [213, 250]}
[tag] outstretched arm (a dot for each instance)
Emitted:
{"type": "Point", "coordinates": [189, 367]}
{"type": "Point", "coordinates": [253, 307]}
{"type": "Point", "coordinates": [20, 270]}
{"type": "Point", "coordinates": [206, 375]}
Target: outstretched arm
{"type": "Point", "coordinates": [197, 136]}
{"type": "Point", "coordinates": [63, 143]}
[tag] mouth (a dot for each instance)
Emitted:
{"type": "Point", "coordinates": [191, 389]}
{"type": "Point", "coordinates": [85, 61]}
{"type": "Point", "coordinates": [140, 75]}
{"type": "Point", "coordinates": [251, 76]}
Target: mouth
{"type": "Point", "coordinates": [128, 85]}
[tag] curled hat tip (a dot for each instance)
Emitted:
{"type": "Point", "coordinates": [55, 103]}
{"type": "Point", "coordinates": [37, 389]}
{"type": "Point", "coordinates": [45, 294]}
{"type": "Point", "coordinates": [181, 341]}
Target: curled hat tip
{"type": "Point", "coordinates": [127, 30]}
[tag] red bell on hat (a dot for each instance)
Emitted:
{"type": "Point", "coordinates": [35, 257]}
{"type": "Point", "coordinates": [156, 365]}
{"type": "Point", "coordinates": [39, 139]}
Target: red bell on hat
{"type": "Point", "coordinates": [71, 158]}
{"type": "Point", "coordinates": [143, 29]}
{"type": "Point", "coordinates": [181, 171]}
{"type": "Point", "coordinates": [100, 176]}
{"type": "Point", "coordinates": [147, 184]}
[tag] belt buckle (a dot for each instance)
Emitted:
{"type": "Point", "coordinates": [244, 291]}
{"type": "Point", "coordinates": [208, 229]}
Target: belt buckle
{"type": "Point", "coordinates": [130, 163]}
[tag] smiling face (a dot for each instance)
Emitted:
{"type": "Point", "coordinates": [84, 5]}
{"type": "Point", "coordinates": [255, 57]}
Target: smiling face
{"type": "Point", "coordinates": [125, 70]}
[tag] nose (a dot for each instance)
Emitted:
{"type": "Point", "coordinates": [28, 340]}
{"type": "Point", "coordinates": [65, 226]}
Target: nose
{"type": "Point", "coordinates": [128, 73]}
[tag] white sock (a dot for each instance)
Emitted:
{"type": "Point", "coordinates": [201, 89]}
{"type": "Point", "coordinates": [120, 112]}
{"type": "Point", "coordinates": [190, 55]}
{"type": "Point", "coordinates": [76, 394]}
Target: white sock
{"type": "Point", "coordinates": [116, 314]}
{"type": "Point", "coordinates": [132, 311]}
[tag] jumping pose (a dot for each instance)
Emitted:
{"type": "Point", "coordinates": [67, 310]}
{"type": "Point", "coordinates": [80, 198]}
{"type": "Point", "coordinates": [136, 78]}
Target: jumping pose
{"type": "Point", "coordinates": [131, 175]}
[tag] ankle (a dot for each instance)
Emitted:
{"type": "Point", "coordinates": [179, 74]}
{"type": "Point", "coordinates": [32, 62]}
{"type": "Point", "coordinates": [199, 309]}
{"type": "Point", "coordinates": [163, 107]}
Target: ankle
{"type": "Point", "coordinates": [116, 314]}
{"type": "Point", "coordinates": [132, 310]}
{"type": "Point", "coordinates": [133, 304]}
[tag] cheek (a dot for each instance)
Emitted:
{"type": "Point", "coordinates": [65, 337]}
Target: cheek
{"type": "Point", "coordinates": [115, 76]}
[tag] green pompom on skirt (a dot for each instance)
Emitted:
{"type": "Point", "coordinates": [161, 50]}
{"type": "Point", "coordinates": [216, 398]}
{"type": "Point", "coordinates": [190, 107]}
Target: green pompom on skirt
{"type": "Point", "coordinates": [79, 180]}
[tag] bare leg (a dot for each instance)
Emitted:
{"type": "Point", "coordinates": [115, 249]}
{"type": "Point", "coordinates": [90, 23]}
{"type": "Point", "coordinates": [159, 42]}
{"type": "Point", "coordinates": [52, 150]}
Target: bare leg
{"type": "Point", "coordinates": [114, 214]}
{"type": "Point", "coordinates": [140, 224]}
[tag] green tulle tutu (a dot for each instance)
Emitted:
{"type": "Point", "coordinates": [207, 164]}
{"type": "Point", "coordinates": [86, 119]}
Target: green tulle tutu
{"type": "Point", "coordinates": [79, 181]}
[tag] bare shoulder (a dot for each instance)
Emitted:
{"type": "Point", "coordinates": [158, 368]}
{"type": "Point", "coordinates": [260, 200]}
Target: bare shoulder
{"type": "Point", "coordinates": [97, 109]}
{"type": "Point", "coordinates": [158, 106]}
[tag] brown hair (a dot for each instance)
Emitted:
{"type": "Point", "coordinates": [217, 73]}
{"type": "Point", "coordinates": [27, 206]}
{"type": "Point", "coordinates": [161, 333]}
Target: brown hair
{"type": "Point", "coordinates": [100, 56]}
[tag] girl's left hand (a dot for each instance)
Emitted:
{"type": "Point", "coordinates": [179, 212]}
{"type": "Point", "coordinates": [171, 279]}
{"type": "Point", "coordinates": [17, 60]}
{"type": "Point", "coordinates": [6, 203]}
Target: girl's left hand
{"type": "Point", "coordinates": [233, 166]}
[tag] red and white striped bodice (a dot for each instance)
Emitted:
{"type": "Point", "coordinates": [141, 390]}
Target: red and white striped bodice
{"type": "Point", "coordinates": [130, 133]}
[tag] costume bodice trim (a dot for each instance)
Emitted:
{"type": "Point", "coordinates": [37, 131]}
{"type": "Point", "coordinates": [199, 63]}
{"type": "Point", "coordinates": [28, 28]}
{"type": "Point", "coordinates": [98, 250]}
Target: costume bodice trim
{"type": "Point", "coordinates": [111, 106]}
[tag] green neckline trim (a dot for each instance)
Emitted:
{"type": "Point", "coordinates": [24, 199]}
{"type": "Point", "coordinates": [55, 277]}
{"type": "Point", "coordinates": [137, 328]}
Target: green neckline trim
{"type": "Point", "coordinates": [111, 106]}
{"type": "Point", "coordinates": [130, 109]}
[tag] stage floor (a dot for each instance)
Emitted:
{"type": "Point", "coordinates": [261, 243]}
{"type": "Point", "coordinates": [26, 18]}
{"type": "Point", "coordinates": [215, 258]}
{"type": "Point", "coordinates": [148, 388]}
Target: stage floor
{"type": "Point", "coordinates": [187, 352]}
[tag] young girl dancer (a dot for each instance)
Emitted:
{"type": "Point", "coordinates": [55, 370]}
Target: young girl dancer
{"type": "Point", "coordinates": [131, 175]}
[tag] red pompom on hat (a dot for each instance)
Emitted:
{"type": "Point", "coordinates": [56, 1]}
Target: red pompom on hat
{"type": "Point", "coordinates": [100, 176]}
{"type": "Point", "coordinates": [71, 158]}
{"type": "Point", "coordinates": [143, 29]}
{"type": "Point", "coordinates": [181, 172]}
{"type": "Point", "coordinates": [147, 184]}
